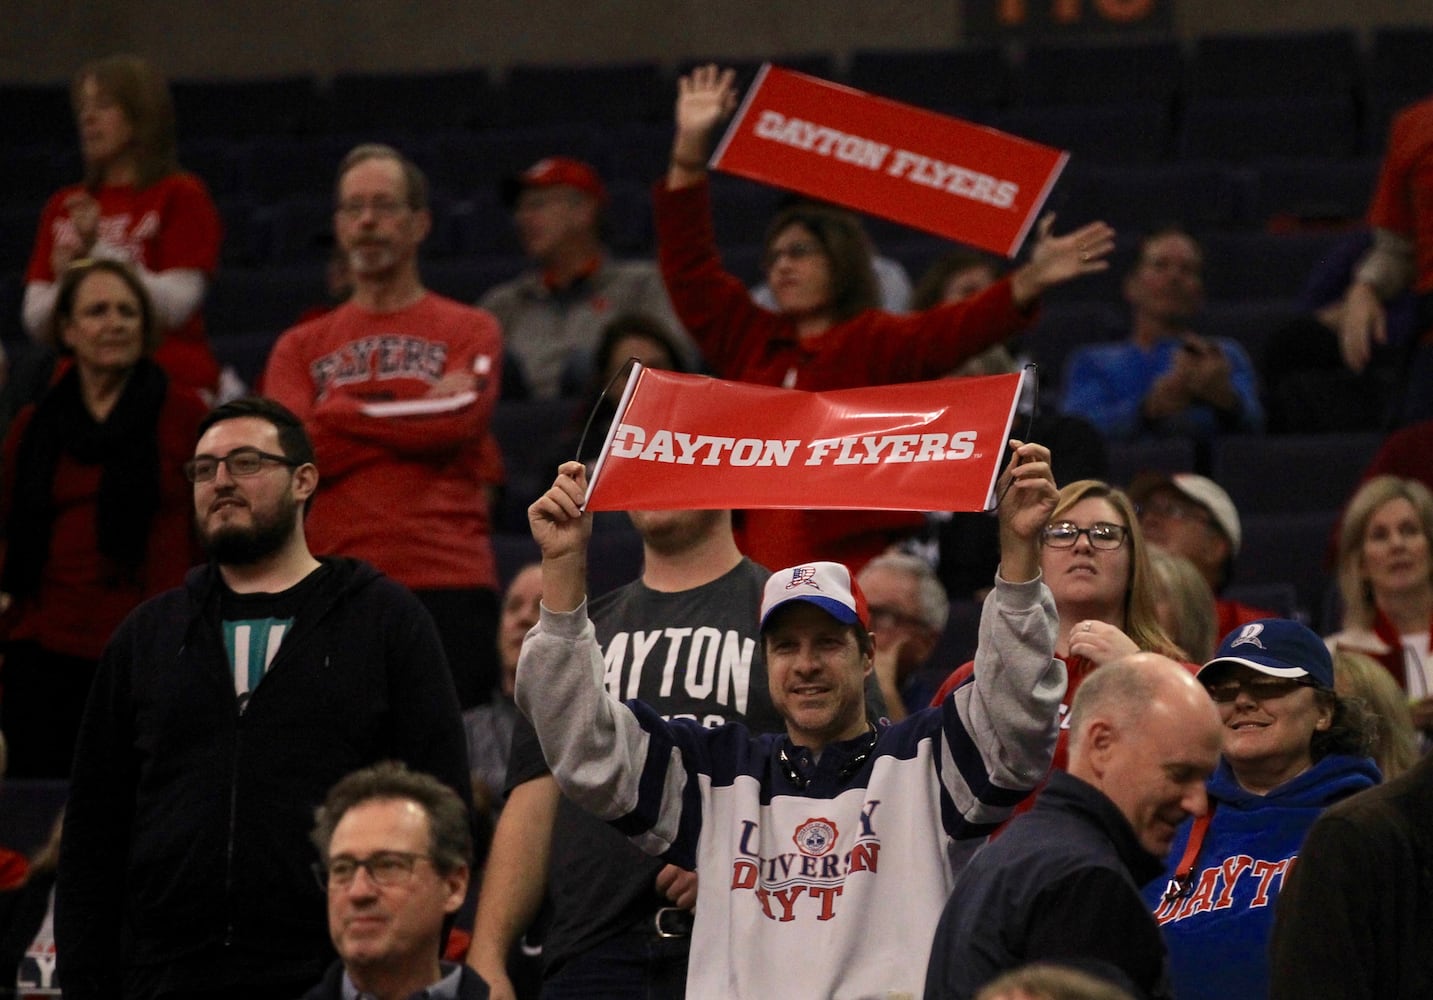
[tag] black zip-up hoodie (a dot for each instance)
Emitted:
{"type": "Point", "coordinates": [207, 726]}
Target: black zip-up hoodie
{"type": "Point", "coordinates": [185, 859]}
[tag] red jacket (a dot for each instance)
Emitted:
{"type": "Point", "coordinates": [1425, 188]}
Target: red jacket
{"type": "Point", "coordinates": [746, 343]}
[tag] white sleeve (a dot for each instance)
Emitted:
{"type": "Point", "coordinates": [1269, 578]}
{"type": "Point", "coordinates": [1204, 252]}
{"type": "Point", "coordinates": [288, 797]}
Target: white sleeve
{"type": "Point", "coordinates": [38, 306]}
{"type": "Point", "coordinates": [1388, 265]}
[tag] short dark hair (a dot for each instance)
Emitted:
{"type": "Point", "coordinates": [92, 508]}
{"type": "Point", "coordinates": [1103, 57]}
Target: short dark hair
{"type": "Point", "coordinates": [865, 643]}
{"type": "Point", "coordinates": [930, 290]}
{"type": "Point", "coordinates": [69, 287]}
{"type": "Point", "coordinates": [634, 324]}
{"type": "Point", "coordinates": [848, 251]}
{"type": "Point", "coordinates": [1159, 233]}
{"type": "Point", "coordinates": [414, 179]}
{"type": "Point", "coordinates": [450, 833]}
{"type": "Point", "coordinates": [293, 439]}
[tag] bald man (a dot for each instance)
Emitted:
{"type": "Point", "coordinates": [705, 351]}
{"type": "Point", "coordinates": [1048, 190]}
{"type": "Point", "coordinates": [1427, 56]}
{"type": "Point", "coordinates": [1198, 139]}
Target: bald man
{"type": "Point", "coordinates": [1062, 883]}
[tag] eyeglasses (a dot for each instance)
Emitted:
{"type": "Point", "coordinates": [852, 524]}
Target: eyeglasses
{"type": "Point", "coordinates": [1102, 535]}
{"type": "Point", "coordinates": [1261, 687]}
{"type": "Point", "coordinates": [386, 869]}
{"type": "Point", "coordinates": [384, 208]}
{"type": "Point", "coordinates": [239, 462]}
{"type": "Point", "coordinates": [1174, 510]}
{"type": "Point", "coordinates": [795, 250]}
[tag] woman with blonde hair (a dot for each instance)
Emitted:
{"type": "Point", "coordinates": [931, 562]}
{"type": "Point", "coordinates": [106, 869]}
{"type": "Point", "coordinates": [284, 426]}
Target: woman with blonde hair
{"type": "Point", "coordinates": [1097, 565]}
{"type": "Point", "coordinates": [1185, 604]}
{"type": "Point", "coordinates": [1385, 576]}
{"type": "Point", "coordinates": [1360, 676]}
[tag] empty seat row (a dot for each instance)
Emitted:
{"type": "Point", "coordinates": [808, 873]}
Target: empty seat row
{"type": "Point", "coordinates": [970, 77]}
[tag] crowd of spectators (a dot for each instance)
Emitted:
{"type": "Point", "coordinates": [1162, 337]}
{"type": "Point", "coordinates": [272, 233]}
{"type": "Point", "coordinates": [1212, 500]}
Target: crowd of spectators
{"type": "Point", "coordinates": [393, 451]}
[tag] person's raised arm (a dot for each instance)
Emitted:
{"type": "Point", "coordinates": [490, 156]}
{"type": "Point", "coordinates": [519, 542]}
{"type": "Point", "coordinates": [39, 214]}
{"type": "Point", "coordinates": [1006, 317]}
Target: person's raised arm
{"type": "Point", "coordinates": [561, 531]}
{"type": "Point", "coordinates": [1027, 496]}
{"type": "Point", "coordinates": [705, 98]}
{"type": "Point", "coordinates": [1055, 260]}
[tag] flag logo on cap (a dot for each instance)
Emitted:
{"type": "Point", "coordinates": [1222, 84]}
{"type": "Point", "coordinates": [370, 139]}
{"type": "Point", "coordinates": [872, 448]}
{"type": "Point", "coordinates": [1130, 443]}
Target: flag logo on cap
{"type": "Point", "coordinates": [803, 576]}
{"type": "Point", "coordinates": [1249, 635]}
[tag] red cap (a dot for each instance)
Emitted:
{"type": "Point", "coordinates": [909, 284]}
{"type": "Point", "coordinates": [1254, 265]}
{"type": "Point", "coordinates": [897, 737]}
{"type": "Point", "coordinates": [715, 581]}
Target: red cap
{"type": "Point", "coordinates": [554, 171]}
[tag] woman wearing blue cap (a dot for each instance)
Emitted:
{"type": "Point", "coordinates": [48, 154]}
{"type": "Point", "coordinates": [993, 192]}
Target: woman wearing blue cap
{"type": "Point", "coordinates": [1291, 747]}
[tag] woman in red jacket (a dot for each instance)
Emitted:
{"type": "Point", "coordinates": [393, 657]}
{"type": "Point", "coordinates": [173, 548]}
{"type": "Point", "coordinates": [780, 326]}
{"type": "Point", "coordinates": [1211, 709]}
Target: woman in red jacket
{"type": "Point", "coordinates": [826, 332]}
{"type": "Point", "coordinates": [97, 511]}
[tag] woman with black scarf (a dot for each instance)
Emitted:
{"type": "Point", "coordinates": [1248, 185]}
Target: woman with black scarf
{"type": "Point", "coordinates": [97, 511]}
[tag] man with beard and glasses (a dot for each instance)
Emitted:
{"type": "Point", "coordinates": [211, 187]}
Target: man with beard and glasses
{"type": "Point", "coordinates": [396, 387]}
{"type": "Point", "coordinates": [221, 714]}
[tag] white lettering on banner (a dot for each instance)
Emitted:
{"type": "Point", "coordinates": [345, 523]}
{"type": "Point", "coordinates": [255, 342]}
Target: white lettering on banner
{"type": "Point", "coordinates": [821, 140]}
{"type": "Point", "coordinates": [676, 447]}
{"type": "Point", "coordinates": [957, 180]}
{"type": "Point", "coordinates": [872, 155]}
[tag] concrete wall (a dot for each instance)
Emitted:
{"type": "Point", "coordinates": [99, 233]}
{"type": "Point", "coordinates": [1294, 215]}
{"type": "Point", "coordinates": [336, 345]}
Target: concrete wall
{"type": "Point", "coordinates": [44, 40]}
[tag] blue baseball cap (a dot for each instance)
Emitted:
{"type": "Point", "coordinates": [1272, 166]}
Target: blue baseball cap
{"type": "Point", "coordinates": [1277, 647]}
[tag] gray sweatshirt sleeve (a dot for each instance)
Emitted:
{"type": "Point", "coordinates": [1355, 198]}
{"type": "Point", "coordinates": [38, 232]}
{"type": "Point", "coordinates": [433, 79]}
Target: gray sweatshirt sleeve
{"type": "Point", "coordinates": [1007, 720]}
{"type": "Point", "coordinates": [593, 743]}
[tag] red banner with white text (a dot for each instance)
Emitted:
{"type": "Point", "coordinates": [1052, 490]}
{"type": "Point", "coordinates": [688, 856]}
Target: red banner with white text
{"type": "Point", "coordinates": [963, 181]}
{"type": "Point", "coordinates": [688, 442]}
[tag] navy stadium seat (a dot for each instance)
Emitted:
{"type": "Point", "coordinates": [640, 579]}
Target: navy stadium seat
{"type": "Point", "coordinates": [1135, 131]}
{"type": "Point", "coordinates": [1287, 64]}
{"type": "Point", "coordinates": [1286, 548]}
{"type": "Point", "coordinates": [545, 95]}
{"type": "Point", "coordinates": [359, 102]}
{"type": "Point", "coordinates": [1241, 129]}
{"type": "Point", "coordinates": [1291, 473]}
{"type": "Point", "coordinates": [1065, 73]}
{"type": "Point", "coordinates": [1128, 459]}
{"type": "Point", "coordinates": [1263, 265]}
{"type": "Point", "coordinates": [961, 80]}
{"type": "Point", "coordinates": [241, 109]}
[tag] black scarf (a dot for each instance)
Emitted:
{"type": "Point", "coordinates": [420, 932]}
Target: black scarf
{"type": "Point", "coordinates": [125, 446]}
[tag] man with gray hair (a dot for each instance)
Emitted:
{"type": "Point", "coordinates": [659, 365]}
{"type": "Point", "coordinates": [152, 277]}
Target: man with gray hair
{"type": "Point", "coordinates": [1062, 883]}
{"type": "Point", "coordinates": [908, 612]}
{"type": "Point", "coordinates": [396, 387]}
{"type": "Point", "coordinates": [396, 852]}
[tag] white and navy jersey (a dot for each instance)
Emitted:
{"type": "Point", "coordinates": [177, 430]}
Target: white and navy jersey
{"type": "Point", "coordinates": [831, 890]}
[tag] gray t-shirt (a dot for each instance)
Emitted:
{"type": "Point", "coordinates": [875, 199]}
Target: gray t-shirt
{"type": "Point", "coordinates": [694, 654]}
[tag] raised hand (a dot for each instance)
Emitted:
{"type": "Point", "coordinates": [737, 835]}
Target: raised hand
{"type": "Point", "coordinates": [561, 531]}
{"type": "Point", "coordinates": [1027, 496]}
{"type": "Point", "coordinates": [1057, 259]}
{"type": "Point", "coordinates": [705, 98]}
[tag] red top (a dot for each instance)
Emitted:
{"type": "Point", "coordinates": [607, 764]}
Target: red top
{"type": "Point", "coordinates": [1403, 200]}
{"type": "Point", "coordinates": [79, 602]}
{"type": "Point", "coordinates": [13, 869]}
{"type": "Point", "coordinates": [746, 343]}
{"type": "Point", "coordinates": [1232, 614]}
{"type": "Point", "coordinates": [170, 224]}
{"type": "Point", "coordinates": [400, 475]}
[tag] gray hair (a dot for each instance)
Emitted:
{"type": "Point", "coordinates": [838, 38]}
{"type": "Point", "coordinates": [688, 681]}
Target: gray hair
{"type": "Point", "coordinates": [934, 604]}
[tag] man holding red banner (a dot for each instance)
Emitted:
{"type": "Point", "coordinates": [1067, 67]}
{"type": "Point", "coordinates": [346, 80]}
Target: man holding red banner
{"type": "Point", "coordinates": [826, 332]}
{"type": "Point", "coordinates": [826, 849]}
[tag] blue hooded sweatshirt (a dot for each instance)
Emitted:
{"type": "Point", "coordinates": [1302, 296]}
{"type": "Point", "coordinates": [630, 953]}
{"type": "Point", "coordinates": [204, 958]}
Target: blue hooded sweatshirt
{"type": "Point", "coordinates": [1218, 930]}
